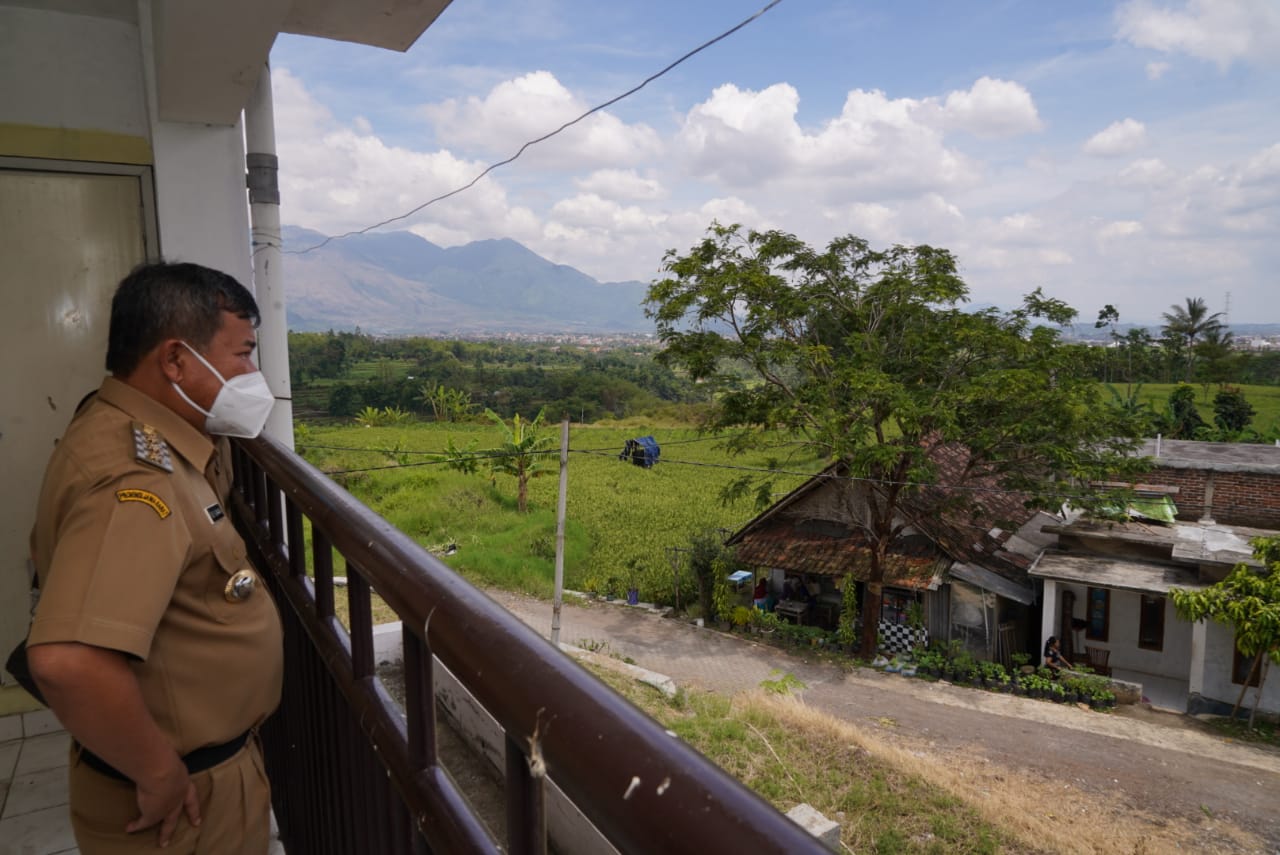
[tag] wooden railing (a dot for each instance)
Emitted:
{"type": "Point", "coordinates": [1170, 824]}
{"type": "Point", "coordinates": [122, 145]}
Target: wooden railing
{"type": "Point", "coordinates": [350, 774]}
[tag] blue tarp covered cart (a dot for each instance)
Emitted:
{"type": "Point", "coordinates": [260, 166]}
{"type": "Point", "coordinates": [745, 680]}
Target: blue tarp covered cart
{"type": "Point", "coordinates": [642, 452]}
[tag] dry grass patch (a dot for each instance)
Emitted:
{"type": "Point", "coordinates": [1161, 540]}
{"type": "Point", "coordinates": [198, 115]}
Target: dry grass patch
{"type": "Point", "coordinates": [891, 795]}
{"type": "Point", "coordinates": [1038, 815]}
{"type": "Point", "coordinates": [760, 740]}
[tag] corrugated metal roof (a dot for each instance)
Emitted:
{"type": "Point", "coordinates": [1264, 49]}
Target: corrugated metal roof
{"type": "Point", "coordinates": [784, 547]}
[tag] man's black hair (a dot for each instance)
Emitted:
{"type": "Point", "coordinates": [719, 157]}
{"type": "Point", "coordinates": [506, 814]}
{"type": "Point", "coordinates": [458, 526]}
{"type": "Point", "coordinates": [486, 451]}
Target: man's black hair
{"type": "Point", "coordinates": [163, 300]}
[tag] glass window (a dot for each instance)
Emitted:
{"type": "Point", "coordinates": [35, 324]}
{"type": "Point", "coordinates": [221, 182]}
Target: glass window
{"type": "Point", "coordinates": [1240, 665]}
{"type": "Point", "coordinates": [1099, 614]}
{"type": "Point", "coordinates": [895, 606]}
{"type": "Point", "coordinates": [1151, 623]}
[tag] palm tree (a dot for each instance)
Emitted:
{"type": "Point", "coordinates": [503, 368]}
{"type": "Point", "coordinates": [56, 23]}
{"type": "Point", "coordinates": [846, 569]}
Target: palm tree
{"type": "Point", "coordinates": [1187, 324]}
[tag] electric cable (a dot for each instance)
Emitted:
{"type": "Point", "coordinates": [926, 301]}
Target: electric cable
{"type": "Point", "coordinates": [699, 49]}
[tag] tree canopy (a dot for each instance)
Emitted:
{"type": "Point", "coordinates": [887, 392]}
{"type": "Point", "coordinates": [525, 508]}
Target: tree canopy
{"type": "Point", "coordinates": [868, 357]}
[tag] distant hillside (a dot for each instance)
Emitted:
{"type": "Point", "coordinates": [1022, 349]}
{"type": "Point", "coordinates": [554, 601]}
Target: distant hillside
{"type": "Point", "coordinates": [397, 283]}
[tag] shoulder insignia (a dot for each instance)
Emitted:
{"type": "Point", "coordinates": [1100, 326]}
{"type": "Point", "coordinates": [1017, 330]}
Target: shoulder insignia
{"type": "Point", "coordinates": [147, 498]}
{"type": "Point", "coordinates": [149, 447]}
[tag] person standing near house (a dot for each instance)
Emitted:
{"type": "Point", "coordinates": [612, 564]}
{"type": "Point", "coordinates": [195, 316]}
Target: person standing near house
{"type": "Point", "coordinates": [759, 597]}
{"type": "Point", "coordinates": [154, 640]}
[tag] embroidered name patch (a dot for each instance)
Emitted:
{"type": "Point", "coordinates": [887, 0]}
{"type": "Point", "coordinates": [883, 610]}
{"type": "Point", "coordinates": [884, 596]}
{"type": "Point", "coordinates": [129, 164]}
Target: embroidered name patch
{"type": "Point", "coordinates": [147, 498]}
{"type": "Point", "coordinates": [215, 512]}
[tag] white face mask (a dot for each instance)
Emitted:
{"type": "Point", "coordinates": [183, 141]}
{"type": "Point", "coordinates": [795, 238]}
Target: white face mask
{"type": "Point", "coordinates": [242, 405]}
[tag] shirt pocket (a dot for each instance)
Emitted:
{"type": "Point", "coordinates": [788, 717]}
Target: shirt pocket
{"type": "Point", "coordinates": [228, 557]}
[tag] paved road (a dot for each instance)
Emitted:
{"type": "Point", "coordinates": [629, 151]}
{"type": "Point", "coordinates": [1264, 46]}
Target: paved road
{"type": "Point", "coordinates": [1150, 762]}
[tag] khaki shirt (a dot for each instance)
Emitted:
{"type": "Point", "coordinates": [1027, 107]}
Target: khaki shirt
{"type": "Point", "coordinates": [134, 558]}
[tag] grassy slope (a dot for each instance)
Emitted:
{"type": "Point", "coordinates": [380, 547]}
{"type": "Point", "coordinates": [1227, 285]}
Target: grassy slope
{"type": "Point", "coordinates": [622, 519]}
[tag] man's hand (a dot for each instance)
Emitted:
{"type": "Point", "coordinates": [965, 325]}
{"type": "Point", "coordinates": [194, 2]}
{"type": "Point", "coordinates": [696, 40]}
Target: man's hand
{"type": "Point", "coordinates": [96, 697]}
{"type": "Point", "coordinates": [163, 800]}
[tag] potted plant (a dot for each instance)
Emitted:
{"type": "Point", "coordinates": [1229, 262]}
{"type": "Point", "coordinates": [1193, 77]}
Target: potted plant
{"type": "Point", "coordinates": [741, 617]}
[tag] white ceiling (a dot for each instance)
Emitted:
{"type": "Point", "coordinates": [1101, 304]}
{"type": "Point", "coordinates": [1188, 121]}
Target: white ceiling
{"type": "Point", "coordinates": [209, 53]}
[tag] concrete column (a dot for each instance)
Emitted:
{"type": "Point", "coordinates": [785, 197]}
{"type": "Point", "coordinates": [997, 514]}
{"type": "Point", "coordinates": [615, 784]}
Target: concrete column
{"type": "Point", "coordinates": [1048, 613]}
{"type": "Point", "coordinates": [1195, 673]}
{"type": "Point", "coordinates": [268, 283]}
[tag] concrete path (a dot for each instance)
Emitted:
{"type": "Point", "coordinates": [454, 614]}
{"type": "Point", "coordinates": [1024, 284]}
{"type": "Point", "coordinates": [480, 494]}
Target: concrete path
{"type": "Point", "coordinates": [1153, 762]}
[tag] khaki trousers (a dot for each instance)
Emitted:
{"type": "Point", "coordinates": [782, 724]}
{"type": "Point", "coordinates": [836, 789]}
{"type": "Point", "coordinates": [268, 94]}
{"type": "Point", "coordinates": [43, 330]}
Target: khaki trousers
{"type": "Point", "coordinates": [235, 806]}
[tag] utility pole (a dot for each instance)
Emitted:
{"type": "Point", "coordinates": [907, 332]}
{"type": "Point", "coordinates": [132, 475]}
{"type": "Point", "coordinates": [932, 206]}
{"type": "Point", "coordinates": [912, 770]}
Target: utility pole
{"type": "Point", "coordinates": [560, 506]}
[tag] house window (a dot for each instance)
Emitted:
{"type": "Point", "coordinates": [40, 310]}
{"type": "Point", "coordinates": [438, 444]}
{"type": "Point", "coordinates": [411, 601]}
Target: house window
{"type": "Point", "coordinates": [1151, 623]}
{"type": "Point", "coordinates": [895, 606]}
{"type": "Point", "coordinates": [1098, 614]}
{"type": "Point", "coordinates": [1240, 665]}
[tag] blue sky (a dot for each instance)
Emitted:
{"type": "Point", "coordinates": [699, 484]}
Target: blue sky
{"type": "Point", "coordinates": [1124, 153]}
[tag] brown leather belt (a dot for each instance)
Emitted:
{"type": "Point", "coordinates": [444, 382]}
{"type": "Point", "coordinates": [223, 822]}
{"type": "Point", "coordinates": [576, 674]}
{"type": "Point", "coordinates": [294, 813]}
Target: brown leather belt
{"type": "Point", "coordinates": [196, 761]}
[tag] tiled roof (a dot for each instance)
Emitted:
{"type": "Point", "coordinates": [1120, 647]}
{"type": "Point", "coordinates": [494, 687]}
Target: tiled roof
{"type": "Point", "coordinates": [978, 532]}
{"type": "Point", "coordinates": [784, 547]}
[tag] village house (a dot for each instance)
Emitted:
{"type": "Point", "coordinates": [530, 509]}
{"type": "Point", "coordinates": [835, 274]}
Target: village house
{"type": "Point", "coordinates": [963, 572]}
{"type": "Point", "coordinates": [1106, 595]}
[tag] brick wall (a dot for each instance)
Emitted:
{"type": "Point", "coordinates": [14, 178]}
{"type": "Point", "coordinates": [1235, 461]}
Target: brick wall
{"type": "Point", "coordinates": [1239, 498]}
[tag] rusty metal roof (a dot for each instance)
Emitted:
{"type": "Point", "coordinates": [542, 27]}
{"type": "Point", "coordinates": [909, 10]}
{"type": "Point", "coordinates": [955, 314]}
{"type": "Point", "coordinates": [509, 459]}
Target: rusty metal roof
{"type": "Point", "coordinates": [784, 547]}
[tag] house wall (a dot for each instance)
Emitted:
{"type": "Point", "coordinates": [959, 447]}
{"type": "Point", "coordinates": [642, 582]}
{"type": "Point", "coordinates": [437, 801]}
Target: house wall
{"type": "Point", "coordinates": [1237, 498]}
{"type": "Point", "coordinates": [1217, 685]}
{"type": "Point", "coordinates": [1174, 661]}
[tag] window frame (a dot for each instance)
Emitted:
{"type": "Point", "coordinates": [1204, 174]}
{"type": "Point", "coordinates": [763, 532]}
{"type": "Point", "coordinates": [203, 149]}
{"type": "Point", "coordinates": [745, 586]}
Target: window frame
{"type": "Point", "coordinates": [1158, 616]}
{"type": "Point", "coordinates": [1240, 667]}
{"type": "Point", "coordinates": [1095, 596]}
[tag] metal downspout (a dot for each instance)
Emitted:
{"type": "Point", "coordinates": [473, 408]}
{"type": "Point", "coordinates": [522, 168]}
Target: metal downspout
{"type": "Point", "coordinates": [268, 281]}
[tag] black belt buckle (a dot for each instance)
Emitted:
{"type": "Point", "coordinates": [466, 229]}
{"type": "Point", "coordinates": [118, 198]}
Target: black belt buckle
{"type": "Point", "coordinates": [197, 761]}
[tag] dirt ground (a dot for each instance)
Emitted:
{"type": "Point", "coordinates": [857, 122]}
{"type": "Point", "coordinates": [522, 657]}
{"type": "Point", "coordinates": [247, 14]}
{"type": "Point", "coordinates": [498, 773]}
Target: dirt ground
{"type": "Point", "coordinates": [1193, 790]}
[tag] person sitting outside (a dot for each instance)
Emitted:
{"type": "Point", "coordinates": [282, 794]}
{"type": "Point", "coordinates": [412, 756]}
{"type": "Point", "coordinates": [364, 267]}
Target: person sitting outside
{"type": "Point", "coordinates": [1053, 658]}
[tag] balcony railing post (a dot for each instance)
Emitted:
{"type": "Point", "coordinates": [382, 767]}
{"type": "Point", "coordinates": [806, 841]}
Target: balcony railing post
{"type": "Point", "coordinates": [526, 816]}
{"type": "Point", "coordinates": [420, 707]}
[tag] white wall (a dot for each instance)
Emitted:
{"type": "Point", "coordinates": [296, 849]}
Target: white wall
{"type": "Point", "coordinates": [1173, 661]}
{"type": "Point", "coordinates": [200, 196]}
{"type": "Point", "coordinates": [75, 72]}
{"type": "Point", "coordinates": [1219, 651]}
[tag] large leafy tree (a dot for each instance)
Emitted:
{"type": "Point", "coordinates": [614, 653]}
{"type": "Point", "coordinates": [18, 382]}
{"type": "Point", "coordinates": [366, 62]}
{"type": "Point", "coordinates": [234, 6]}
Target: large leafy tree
{"type": "Point", "coordinates": [1186, 325]}
{"type": "Point", "coordinates": [867, 357]}
{"type": "Point", "coordinates": [1248, 601]}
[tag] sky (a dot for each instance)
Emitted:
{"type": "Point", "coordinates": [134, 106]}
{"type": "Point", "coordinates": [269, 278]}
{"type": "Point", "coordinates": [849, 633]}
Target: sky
{"type": "Point", "coordinates": [1123, 153]}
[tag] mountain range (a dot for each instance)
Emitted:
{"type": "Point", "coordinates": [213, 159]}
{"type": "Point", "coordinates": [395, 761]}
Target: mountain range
{"type": "Point", "coordinates": [397, 283]}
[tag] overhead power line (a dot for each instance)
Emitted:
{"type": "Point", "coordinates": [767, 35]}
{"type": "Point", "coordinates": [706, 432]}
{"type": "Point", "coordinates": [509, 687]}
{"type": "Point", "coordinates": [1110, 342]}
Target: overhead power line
{"type": "Point", "coordinates": [491, 167]}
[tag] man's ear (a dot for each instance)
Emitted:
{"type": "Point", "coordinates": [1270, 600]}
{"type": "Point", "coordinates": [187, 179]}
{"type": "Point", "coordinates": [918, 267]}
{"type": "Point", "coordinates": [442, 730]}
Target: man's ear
{"type": "Point", "coordinates": [172, 356]}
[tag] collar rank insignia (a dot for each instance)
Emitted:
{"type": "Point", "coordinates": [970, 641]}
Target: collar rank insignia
{"type": "Point", "coordinates": [149, 447]}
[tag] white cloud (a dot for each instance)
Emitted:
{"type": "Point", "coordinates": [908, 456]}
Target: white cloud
{"type": "Point", "coordinates": [1091, 231]}
{"type": "Point", "coordinates": [1123, 137]}
{"type": "Point", "coordinates": [530, 106]}
{"type": "Point", "coordinates": [622, 184]}
{"type": "Point", "coordinates": [745, 139]}
{"type": "Point", "coordinates": [1220, 31]}
{"type": "Point", "coordinates": [1156, 70]}
{"type": "Point", "coordinates": [992, 108]}
{"type": "Point", "coordinates": [1120, 229]}
{"type": "Point", "coordinates": [335, 178]}
{"type": "Point", "coordinates": [1148, 171]}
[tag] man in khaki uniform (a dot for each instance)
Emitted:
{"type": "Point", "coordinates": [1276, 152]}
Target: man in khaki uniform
{"type": "Point", "coordinates": [154, 641]}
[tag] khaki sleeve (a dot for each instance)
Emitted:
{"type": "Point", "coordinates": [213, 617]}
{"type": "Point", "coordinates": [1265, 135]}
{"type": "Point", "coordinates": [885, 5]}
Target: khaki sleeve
{"type": "Point", "coordinates": [120, 548]}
